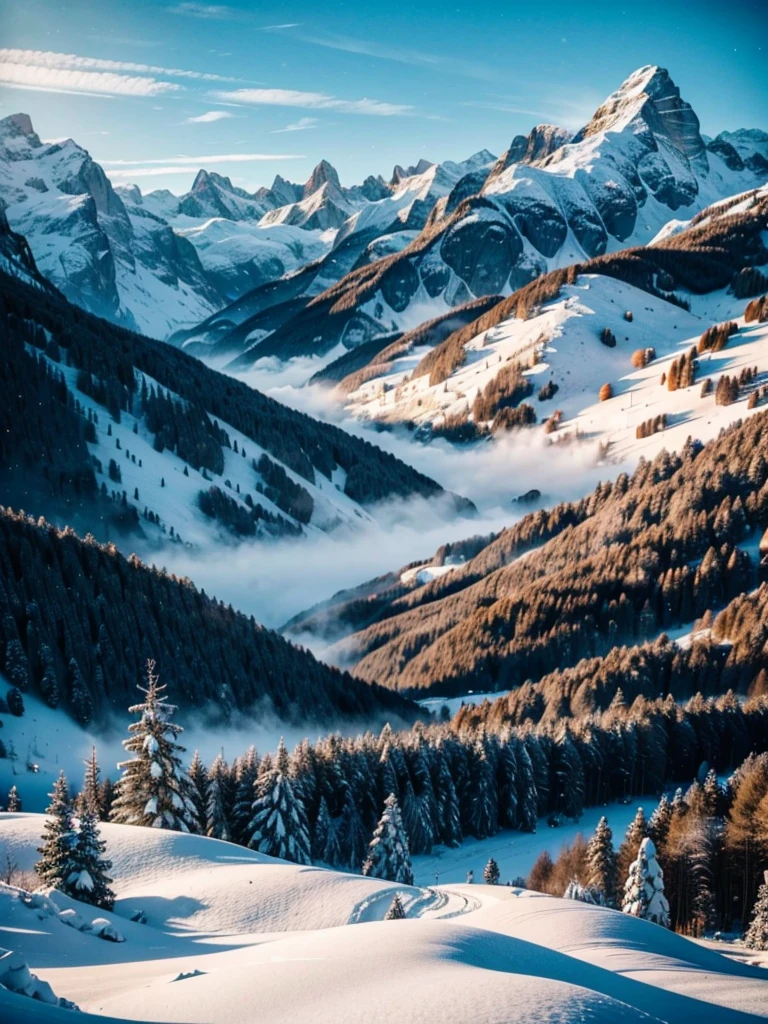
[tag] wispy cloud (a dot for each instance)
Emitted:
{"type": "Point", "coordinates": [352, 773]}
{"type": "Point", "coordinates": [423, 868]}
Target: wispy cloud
{"type": "Point", "coordinates": [206, 11]}
{"type": "Point", "coordinates": [311, 101]}
{"type": "Point", "coordinates": [298, 126]}
{"type": "Point", "coordinates": [400, 54]}
{"type": "Point", "coordinates": [102, 83]}
{"type": "Point", "coordinates": [209, 116]}
{"type": "Point", "coordinates": [277, 28]}
{"type": "Point", "coordinates": [71, 61]}
{"type": "Point", "coordinates": [207, 158]}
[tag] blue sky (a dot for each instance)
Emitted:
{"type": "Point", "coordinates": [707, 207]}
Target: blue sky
{"type": "Point", "coordinates": [156, 89]}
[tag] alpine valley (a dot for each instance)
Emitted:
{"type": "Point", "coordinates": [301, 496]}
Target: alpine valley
{"type": "Point", "coordinates": [433, 506]}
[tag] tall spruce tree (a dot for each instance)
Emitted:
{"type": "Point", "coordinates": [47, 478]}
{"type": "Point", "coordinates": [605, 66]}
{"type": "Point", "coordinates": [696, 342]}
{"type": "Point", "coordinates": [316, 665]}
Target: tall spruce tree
{"type": "Point", "coordinates": [154, 790]}
{"type": "Point", "coordinates": [278, 826]}
{"type": "Point", "coordinates": [659, 822]}
{"type": "Point", "coordinates": [325, 840]}
{"type": "Point", "coordinates": [14, 800]}
{"type": "Point", "coordinates": [89, 881]}
{"type": "Point", "coordinates": [388, 853]}
{"type": "Point", "coordinates": [245, 792]}
{"type": "Point", "coordinates": [198, 777]}
{"type": "Point", "coordinates": [644, 889]}
{"type": "Point", "coordinates": [633, 837]}
{"type": "Point", "coordinates": [58, 860]}
{"type": "Point", "coordinates": [89, 797]}
{"type": "Point", "coordinates": [601, 863]}
{"type": "Point", "coordinates": [216, 816]}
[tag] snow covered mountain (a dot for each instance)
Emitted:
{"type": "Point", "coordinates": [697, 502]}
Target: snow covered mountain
{"type": "Point", "coordinates": [128, 268]}
{"type": "Point", "coordinates": [550, 353]}
{"type": "Point", "coordinates": [549, 201]}
{"type": "Point", "coordinates": [382, 219]}
{"type": "Point", "coordinates": [159, 263]}
{"type": "Point", "coordinates": [106, 429]}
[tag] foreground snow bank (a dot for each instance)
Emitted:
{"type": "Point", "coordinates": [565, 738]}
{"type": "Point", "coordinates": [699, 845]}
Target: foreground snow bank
{"type": "Point", "coordinates": [233, 936]}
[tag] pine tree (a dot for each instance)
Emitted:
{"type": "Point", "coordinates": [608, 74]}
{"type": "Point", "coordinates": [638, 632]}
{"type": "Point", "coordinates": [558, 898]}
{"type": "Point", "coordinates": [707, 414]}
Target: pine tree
{"type": "Point", "coordinates": [198, 777]}
{"type": "Point", "coordinates": [14, 800]}
{"type": "Point", "coordinates": [57, 854]}
{"type": "Point", "coordinates": [89, 881]}
{"type": "Point", "coordinates": [483, 809]}
{"type": "Point", "coordinates": [325, 841]}
{"type": "Point", "coordinates": [629, 848]}
{"type": "Point", "coordinates": [388, 853]}
{"type": "Point", "coordinates": [644, 889]}
{"type": "Point", "coordinates": [79, 694]}
{"type": "Point", "coordinates": [658, 825]}
{"type": "Point", "coordinates": [278, 826]}
{"type": "Point", "coordinates": [247, 773]}
{"type": "Point", "coordinates": [756, 936]}
{"type": "Point", "coordinates": [491, 872]}
{"type": "Point", "coordinates": [602, 864]}
{"type": "Point", "coordinates": [153, 790]}
{"type": "Point", "coordinates": [89, 799]}
{"type": "Point", "coordinates": [527, 794]}
{"type": "Point", "coordinates": [396, 912]}
{"type": "Point", "coordinates": [216, 818]}
{"type": "Point", "coordinates": [351, 833]}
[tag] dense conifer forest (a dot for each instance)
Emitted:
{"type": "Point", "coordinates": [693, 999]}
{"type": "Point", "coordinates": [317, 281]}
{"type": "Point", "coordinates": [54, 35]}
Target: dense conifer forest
{"type": "Point", "coordinates": [640, 555]}
{"type": "Point", "coordinates": [78, 621]}
{"type": "Point", "coordinates": [44, 461]}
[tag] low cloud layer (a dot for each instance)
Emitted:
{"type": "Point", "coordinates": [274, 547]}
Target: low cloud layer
{"type": "Point", "coordinates": [275, 581]}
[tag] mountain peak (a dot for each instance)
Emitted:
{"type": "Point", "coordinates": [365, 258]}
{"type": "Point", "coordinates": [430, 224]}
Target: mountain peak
{"type": "Point", "coordinates": [323, 173]}
{"type": "Point", "coordinates": [651, 94]}
{"type": "Point", "coordinates": [202, 180]}
{"type": "Point", "coordinates": [22, 121]}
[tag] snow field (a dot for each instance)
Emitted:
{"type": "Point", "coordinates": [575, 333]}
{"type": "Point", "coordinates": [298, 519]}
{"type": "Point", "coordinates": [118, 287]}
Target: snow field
{"type": "Point", "coordinates": [285, 952]}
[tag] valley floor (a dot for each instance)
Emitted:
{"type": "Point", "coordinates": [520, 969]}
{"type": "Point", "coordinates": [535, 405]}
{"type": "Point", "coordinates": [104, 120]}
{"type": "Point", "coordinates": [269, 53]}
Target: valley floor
{"type": "Point", "coordinates": [235, 936]}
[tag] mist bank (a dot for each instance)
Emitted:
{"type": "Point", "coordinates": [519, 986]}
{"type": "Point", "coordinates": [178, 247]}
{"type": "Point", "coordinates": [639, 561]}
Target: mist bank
{"type": "Point", "coordinates": [276, 580]}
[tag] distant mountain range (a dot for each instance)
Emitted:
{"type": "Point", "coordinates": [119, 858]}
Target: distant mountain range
{"type": "Point", "coordinates": [551, 200]}
{"type": "Point", "coordinates": [159, 262]}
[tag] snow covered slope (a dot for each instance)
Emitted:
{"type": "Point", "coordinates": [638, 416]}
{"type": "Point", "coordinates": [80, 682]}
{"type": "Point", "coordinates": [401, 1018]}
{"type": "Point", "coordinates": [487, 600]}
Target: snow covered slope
{"type": "Point", "coordinates": [230, 931]}
{"type": "Point", "coordinates": [549, 202]}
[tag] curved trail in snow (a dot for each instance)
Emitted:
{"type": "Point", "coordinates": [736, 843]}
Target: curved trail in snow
{"type": "Point", "coordinates": [431, 903]}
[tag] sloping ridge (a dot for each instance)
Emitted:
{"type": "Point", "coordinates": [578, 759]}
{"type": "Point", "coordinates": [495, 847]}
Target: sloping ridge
{"type": "Point", "coordinates": [84, 619]}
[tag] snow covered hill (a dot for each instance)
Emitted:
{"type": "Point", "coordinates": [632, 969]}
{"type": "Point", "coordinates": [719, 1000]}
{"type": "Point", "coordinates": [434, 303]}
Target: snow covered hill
{"type": "Point", "coordinates": [229, 931]}
{"type": "Point", "coordinates": [550, 201]}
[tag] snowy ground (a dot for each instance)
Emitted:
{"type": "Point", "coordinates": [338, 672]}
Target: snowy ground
{"type": "Point", "coordinates": [564, 344]}
{"type": "Point", "coordinates": [234, 936]}
{"type": "Point", "coordinates": [515, 852]}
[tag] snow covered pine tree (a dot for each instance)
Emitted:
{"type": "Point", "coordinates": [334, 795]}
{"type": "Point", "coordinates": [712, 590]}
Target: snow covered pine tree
{"type": "Point", "coordinates": [58, 861]}
{"type": "Point", "coordinates": [644, 890]}
{"type": "Point", "coordinates": [757, 933]}
{"type": "Point", "coordinates": [602, 868]}
{"type": "Point", "coordinates": [388, 853]}
{"type": "Point", "coordinates": [154, 790]}
{"type": "Point", "coordinates": [89, 881]}
{"type": "Point", "coordinates": [396, 911]}
{"type": "Point", "coordinates": [279, 824]}
{"type": "Point", "coordinates": [491, 873]}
